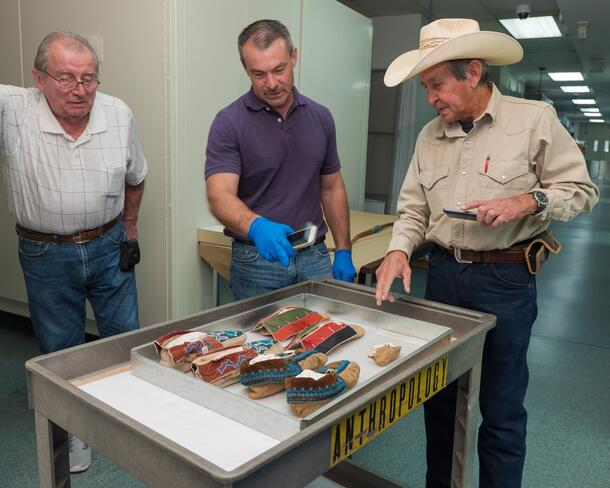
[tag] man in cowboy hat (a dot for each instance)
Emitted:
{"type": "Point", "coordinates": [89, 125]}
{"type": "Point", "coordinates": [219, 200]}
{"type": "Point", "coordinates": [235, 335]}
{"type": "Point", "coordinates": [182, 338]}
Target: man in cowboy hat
{"type": "Point", "coordinates": [511, 161]}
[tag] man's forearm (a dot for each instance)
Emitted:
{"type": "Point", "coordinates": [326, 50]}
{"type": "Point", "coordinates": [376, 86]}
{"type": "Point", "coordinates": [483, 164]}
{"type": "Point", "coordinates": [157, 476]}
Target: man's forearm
{"type": "Point", "coordinates": [336, 212]}
{"type": "Point", "coordinates": [133, 198]}
{"type": "Point", "coordinates": [232, 212]}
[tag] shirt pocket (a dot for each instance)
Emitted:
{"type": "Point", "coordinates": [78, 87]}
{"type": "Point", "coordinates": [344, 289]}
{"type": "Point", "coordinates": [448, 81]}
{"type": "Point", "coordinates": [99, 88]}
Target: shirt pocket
{"type": "Point", "coordinates": [431, 178]}
{"type": "Point", "coordinates": [434, 182]}
{"type": "Point", "coordinates": [507, 176]}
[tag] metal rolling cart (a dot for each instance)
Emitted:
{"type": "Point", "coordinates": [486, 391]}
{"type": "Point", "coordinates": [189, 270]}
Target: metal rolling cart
{"type": "Point", "coordinates": [445, 344]}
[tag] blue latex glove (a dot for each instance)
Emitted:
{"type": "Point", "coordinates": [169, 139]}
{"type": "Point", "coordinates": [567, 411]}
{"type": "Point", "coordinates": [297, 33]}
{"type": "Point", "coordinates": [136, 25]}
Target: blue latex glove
{"type": "Point", "coordinates": [270, 239]}
{"type": "Point", "coordinates": [343, 268]}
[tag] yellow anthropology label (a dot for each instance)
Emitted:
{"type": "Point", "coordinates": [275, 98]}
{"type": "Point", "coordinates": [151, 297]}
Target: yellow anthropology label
{"type": "Point", "coordinates": [362, 426]}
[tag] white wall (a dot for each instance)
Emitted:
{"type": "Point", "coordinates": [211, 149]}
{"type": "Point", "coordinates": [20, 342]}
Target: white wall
{"type": "Point", "coordinates": [12, 287]}
{"type": "Point", "coordinates": [335, 71]}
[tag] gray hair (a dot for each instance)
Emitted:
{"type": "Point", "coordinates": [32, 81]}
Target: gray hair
{"type": "Point", "coordinates": [70, 40]}
{"type": "Point", "coordinates": [459, 69]}
{"type": "Point", "coordinates": [263, 33]}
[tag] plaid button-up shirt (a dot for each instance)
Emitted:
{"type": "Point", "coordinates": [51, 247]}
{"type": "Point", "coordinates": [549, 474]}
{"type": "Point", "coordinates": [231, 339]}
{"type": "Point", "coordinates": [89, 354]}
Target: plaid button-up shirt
{"type": "Point", "coordinates": [59, 185]}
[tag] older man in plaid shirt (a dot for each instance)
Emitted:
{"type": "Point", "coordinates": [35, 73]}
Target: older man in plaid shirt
{"type": "Point", "coordinates": [74, 177]}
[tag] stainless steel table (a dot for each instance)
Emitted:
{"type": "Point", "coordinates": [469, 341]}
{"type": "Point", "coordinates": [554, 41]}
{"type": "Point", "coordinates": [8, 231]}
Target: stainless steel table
{"type": "Point", "coordinates": [320, 448]}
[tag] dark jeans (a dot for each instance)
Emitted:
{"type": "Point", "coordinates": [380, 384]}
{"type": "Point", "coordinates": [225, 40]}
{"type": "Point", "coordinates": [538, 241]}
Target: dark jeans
{"type": "Point", "coordinates": [509, 292]}
{"type": "Point", "coordinates": [60, 278]}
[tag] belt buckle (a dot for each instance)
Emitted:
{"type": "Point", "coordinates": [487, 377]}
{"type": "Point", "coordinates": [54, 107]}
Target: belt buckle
{"type": "Point", "coordinates": [457, 254]}
{"type": "Point", "coordinates": [78, 239]}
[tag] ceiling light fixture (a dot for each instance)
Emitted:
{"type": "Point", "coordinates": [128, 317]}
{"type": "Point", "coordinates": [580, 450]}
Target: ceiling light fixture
{"type": "Point", "coordinates": [532, 27]}
{"type": "Point", "coordinates": [592, 109]}
{"type": "Point", "coordinates": [583, 101]}
{"type": "Point", "coordinates": [567, 76]}
{"type": "Point", "coordinates": [598, 121]}
{"type": "Point", "coordinates": [575, 89]}
{"type": "Point", "coordinates": [592, 114]}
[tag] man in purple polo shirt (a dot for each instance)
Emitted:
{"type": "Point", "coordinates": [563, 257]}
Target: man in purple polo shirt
{"type": "Point", "coordinates": [272, 165]}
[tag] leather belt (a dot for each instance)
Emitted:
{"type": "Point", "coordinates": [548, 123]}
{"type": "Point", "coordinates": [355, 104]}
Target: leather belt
{"type": "Point", "coordinates": [248, 242]}
{"type": "Point", "coordinates": [78, 238]}
{"type": "Point", "coordinates": [514, 254]}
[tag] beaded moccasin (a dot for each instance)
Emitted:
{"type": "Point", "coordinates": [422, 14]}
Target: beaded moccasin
{"type": "Point", "coordinates": [265, 374]}
{"type": "Point", "coordinates": [310, 390]}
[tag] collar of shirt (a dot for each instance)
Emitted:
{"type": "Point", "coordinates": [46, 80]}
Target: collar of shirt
{"type": "Point", "coordinates": [49, 123]}
{"type": "Point", "coordinates": [454, 129]}
{"type": "Point", "coordinates": [254, 103]}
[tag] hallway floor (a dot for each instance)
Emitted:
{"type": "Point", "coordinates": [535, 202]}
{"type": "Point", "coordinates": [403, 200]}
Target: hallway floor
{"type": "Point", "coordinates": [568, 400]}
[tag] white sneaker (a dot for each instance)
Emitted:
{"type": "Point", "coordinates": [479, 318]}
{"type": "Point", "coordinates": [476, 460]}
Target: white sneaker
{"type": "Point", "coordinates": [80, 454]}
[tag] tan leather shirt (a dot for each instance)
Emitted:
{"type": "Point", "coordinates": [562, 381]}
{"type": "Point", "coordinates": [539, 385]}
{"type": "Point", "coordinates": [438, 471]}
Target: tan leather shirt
{"type": "Point", "coordinates": [528, 149]}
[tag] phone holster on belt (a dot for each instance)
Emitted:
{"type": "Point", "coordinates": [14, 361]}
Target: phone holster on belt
{"type": "Point", "coordinates": [130, 255]}
{"type": "Point", "coordinates": [538, 249]}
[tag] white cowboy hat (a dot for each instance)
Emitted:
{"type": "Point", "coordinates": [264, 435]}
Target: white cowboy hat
{"type": "Point", "coordinates": [447, 39]}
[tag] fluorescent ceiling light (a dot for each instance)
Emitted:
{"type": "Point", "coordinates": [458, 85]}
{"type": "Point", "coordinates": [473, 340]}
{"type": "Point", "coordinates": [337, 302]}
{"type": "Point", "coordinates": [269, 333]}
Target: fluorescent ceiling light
{"type": "Point", "coordinates": [572, 76]}
{"type": "Point", "coordinates": [590, 114]}
{"type": "Point", "coordinates": [532, 27]}
{"type": "Point", "coordinates": [592, 109]}
{"type": "Point", "coordinates": [599, 121]}
{"type": "Point", "coordinates": [583, 101]}
{"type": "Point", "coordinates": [575, 89]}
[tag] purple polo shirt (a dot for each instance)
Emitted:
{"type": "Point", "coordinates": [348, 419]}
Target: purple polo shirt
{"type": "Point", "coordinates": [279, 161]}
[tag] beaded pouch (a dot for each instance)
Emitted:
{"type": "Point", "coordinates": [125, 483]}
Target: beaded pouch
{"type": "Point", "coordinates": [288, 322]}
{"type": "Point", "coordinates": [328, 335]}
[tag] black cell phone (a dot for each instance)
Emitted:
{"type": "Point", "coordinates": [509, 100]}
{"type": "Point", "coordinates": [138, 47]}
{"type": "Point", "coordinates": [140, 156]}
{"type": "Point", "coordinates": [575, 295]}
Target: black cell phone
{"type": "Point", "coordinates": [457, 213]}
{"type": "Point", "coordinates": [303, 237]}
{"type": "Point", "coordinates": [130, 255]}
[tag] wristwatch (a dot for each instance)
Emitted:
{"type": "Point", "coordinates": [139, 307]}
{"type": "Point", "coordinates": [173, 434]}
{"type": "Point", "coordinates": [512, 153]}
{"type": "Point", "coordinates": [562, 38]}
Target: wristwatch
{"type": "Point", "coordinates": [541, 200]}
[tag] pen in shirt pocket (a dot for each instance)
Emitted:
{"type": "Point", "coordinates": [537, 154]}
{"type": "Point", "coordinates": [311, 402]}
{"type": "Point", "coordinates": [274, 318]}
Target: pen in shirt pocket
{"type": "Point", "coordinates": [487, 160]}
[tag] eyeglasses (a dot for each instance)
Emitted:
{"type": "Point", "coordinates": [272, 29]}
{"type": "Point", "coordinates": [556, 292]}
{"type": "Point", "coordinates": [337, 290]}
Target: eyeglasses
{"type": "Point", "coordinates": [68, 82]}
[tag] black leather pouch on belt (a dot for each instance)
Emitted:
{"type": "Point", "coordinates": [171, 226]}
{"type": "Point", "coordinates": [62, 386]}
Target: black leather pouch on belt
{"type": "Point", "coordinates": [130, 255]}
{"type": "Point", "coordinates": [538, 249]}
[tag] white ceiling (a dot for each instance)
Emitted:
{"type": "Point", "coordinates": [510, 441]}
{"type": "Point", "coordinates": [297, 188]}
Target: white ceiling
{"type": "Point", "coordinates": [590, 56]}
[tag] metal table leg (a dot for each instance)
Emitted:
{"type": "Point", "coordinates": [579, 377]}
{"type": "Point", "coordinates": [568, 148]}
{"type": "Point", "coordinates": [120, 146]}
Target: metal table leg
{"type": "Point", "coordinates": [348, 473]}
{"type": "Point", "coordinates": [465, 427]}
{"type": "Point", "coordinates": [52, 450]}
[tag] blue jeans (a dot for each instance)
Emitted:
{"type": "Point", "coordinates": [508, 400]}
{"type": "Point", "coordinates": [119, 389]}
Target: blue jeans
{"type": "Point", "coordinates": [251, 274]}
{"type": "Point", "coordinates": [60, 277]}
{"type": "Point", "coordinates": [509, 292]}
